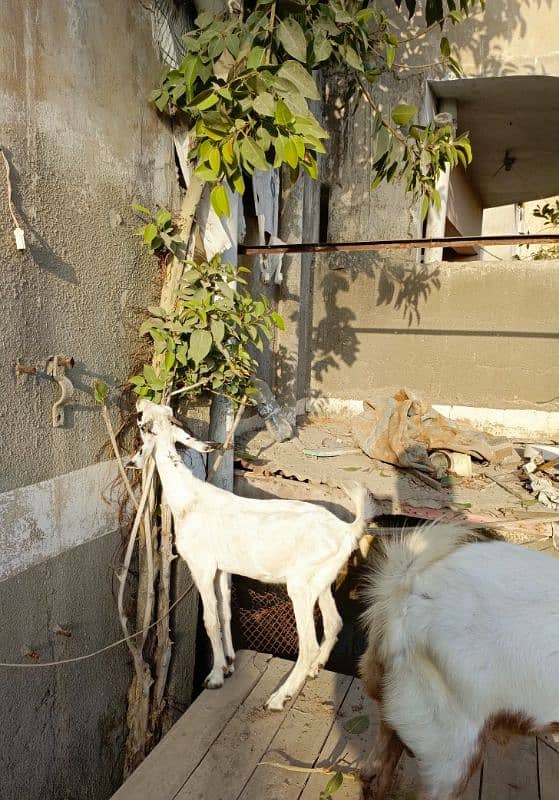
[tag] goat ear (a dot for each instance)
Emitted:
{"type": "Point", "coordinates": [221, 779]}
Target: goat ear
{"type": "Point", "coordinates": [138, 460]}
{"type": "Point", "coordinates": [195, 444]}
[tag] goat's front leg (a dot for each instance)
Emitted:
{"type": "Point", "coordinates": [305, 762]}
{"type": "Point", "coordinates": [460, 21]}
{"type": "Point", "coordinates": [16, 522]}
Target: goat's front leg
{"type": "Point", "coordinates": [204, 581]}
{"type": "Point", "coordinates": [303, 606]}
{"type": "Point", "coordinates": [378, 773]}
{"type": "Point", "coordinates": [223, 591]}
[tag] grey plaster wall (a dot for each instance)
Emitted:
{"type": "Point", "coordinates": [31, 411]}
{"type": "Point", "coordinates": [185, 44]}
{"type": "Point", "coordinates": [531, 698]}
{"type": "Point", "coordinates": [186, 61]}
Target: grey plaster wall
{"type": "Point", "coordinates": [477, 333]}
{"type": "Point", "coordinates": [83, 145]}
{"type": "Point", "coordinates": [62, 728]}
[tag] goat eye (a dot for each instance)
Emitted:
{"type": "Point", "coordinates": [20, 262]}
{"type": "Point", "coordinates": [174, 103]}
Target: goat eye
{"type": "Point", "coordinates": [139, 416]}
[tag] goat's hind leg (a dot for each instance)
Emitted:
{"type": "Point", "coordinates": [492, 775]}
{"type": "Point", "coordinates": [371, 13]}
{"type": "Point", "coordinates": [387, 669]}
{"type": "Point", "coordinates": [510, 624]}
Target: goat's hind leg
{"type": "Point", "coordinates": [378, 772]}
{"type": "Point", "coordinates": [303, 605]}
{"type": "Point", "coordinates": [223, 591]}
{"type": "Point", "coordinates": [332, 623]}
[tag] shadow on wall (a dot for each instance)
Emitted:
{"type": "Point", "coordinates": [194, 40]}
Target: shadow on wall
{"type": "Point", "coordinates": [484, 37]}
{"type": "Point", "coordinates": [38, 249]}
{"type": "Point", "coordinates": [401, 286]}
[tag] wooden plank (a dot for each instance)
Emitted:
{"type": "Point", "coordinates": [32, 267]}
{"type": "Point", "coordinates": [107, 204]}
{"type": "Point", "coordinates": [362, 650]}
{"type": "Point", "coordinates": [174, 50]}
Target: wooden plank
{"type": "Point", "coordinates": [299, 739]}
{"type": "Point", "coordinates": [354, 747]}
{"type": "Point", "coordinates": [511, 772]}
{"type": "Point", "coordinates": [233, 756]}
{"type": "Point", "coordinates": [406, 782]}
{"type": "Point", "coordinates": [169, 765]}
{"type": "Point", "coordinates": [551, 739]}
{"type": "Point", "coordinates": [548, 768]}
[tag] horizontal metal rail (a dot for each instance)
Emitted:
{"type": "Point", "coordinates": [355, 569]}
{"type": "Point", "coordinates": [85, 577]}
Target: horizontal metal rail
{"type": "Point", "coordinates": [397, 244]}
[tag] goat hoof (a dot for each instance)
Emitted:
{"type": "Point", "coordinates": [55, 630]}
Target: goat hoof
{"type": "Point", "coordinates": [214, 680]}
{"type": "Point", "coordinates": [276, 702]}
{"type": "Point", "coordinates": [313, 672]}
{"type": "Point", "coordinates": [229, 670]}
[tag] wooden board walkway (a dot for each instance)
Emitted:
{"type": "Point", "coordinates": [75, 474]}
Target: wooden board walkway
{"type": "Point", "coordinates": [214, 752]}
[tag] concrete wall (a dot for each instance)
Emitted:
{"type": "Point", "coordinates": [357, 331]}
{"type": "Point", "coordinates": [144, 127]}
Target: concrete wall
{"type": "Point", "coordinates": [475, 333]}
{"type": "Point", "coordinates": [83, 144]}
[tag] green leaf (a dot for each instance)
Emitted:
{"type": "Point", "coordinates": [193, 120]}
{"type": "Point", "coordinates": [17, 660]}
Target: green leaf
{"type": "Point", "coordinates": [152, 379]}
{"type": "Point", "coordinates": [204, 100]}
{"type": "Point", "coordinates": [256, 58]}
{"type": "Point", "coordinates": [390, 55]}
{"type": "Point", "coordinates": [290, 153]}
{"type": "Point", "coordinates": [162, 100]}
{"type": "Point", "coordinates": [100, 392]}
{"type": "Point", "coordinates": [169, 360]}
{"type": "Point", "coordinates": [200, 345]}
{"type": "Point", "coordinates": [204, 20]}
{"type": "Point", "coordinates": [215, 160]}
{"type": "Point", "coordinates": [278, 320]}
{"type": "Point", "coordinates": [163, 217]}
{"type": "Point", "coordinates": [283, 115]}
{"type": "Point", "coordinates": [301, 78]}
{"type": "Point", "coordinates": [292, 38]}
{"type": "Point", "coordinates": [150, 232]}
{"type": "Point", "coordinates": [403, 114]}
{"type": "Point", "coordinates": [351, 57]}
{"type": "Point", "coordinates": [357, 724]}
{"type": "Point", "coordinates": [332, 786]}
{"type": "Point", "coordinates": [424, 207]}
{"type": "Point", "coordinates": [141, 209]}
{"type": "Point", "coordinates": [264, 104]}
{"type": "Point", "coordinates": [433, 11]}
{"type": "Point", "coordinates": [445, 46]}
{"type": "Point", "coordinates": [322, 49]}
{"type": "Point", "coordinates": [205, 173]}
{"type": "Point", "coordinates": [218, 330]}
{"type": "Point", "coordinates": [254, 154]}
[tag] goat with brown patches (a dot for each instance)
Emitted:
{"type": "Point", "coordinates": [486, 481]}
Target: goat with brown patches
{"type": "Point", "coordinates": [463, 647]}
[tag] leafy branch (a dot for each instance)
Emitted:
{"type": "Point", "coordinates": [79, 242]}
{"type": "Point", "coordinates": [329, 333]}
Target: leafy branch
{"type": "Point", "coordinates": [207, 342]}
{"type": "Point", "coordinates": [244, 90]}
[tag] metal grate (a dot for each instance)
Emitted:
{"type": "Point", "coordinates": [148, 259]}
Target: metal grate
{"type": "Point", "coordinates": [264, 619]}
{"type": "Point", "coordinates": [171, 20]}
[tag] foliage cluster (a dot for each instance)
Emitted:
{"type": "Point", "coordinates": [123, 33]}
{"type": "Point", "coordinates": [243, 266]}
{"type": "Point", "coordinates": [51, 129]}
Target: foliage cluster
{"type": "Point", "coordinates": [245, 85]}
{"type": "Point", "coordinates": [207, 341]}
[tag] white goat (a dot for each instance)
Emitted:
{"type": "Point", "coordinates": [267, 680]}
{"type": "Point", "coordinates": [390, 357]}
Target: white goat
{"type": "Point", "coordinates": [463, 645]}
{"type": "Point", "coordinates": [276, 541]}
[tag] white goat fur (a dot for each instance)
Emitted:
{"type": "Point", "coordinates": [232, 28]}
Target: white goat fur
{"type": "Point", "coordinates": [463, 642]}
{"type": "Point", "coordinates": [275, 541]}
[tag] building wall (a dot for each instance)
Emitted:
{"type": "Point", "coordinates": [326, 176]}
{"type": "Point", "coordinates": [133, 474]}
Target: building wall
{"type": "Point", "coordinates": [83, 144]}
{"type": "Point", "coordinates": [475, 333]}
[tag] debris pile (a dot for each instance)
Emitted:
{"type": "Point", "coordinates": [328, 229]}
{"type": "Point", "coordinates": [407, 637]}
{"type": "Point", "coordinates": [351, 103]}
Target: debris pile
{"type": "Point", "coordinates": [541, 474]}
{"type": "Point", "coordinates": [404, 430]}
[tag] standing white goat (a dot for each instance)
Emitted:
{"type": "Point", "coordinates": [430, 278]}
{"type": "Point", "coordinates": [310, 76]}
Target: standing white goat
{"type": "Point", "coordinates": [463, 646]}
{"type": "Point", "coordinates": [275, 541]}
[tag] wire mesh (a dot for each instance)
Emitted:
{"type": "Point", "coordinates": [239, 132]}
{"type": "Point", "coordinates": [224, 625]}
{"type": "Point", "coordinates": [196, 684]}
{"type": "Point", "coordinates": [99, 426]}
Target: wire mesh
{"type": "Point", "coordinates": [264, 618]}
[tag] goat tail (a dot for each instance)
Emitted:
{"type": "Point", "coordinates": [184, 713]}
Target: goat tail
{"type": "Point", "coordinates": [359, 496]}
{"type": "Point", "coordinates": [390, 582]}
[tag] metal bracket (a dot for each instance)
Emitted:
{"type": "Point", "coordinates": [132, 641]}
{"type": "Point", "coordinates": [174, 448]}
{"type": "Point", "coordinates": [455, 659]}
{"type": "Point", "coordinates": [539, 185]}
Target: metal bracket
{"type": "Point", "coordinates": [56, 366]}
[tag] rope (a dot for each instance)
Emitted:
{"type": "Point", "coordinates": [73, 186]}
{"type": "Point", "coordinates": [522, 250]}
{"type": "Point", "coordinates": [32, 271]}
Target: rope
{"type": "Point", "coordinates": [102, 649]}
